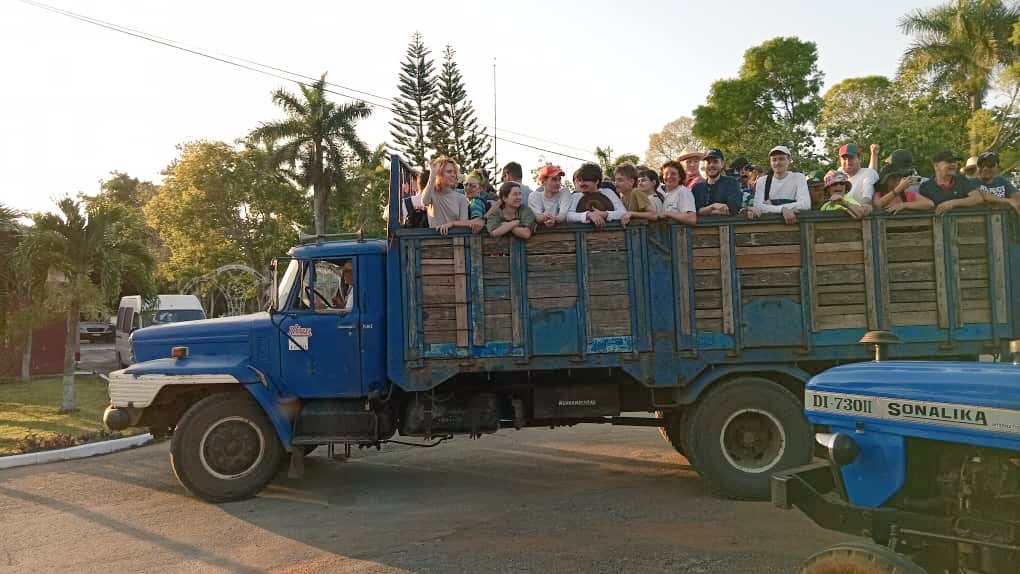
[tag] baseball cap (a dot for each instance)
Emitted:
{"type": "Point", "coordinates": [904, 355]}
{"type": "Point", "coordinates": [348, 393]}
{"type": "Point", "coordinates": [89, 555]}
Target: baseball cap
{"type": "Point", "coordinates": [945, 155]}
{"type": "Point", "coordinates": [834, 177]}
{"type": "Point", "coordinates": [848, 149]}
{"type": "Point", "coordinates": [901, 158]}
{"type": "Point", "coordinates": [988, 157]}
{"type": "Point", "coordinates": [549, 171]}
{"type": "Point", "coordinates": [714, 152]}
{"type": "Point", "coordinates": [780, 149]}
{"type": "Point", "coordinates": [815, 177]}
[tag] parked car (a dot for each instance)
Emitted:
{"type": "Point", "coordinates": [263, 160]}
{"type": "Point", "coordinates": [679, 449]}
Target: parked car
{"type": "Point", "coordinates": [132, 314]}
{"type": "Point", "coordinates": [95, 331]}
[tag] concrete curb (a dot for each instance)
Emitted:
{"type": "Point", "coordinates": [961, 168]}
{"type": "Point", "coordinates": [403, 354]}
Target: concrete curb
{"type": "Point", "coordinates": [80, 451]}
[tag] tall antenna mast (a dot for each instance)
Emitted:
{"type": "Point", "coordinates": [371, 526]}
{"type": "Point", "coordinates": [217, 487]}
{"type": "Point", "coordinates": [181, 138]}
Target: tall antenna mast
{"type": "Point", "coordinates": [495, 144]}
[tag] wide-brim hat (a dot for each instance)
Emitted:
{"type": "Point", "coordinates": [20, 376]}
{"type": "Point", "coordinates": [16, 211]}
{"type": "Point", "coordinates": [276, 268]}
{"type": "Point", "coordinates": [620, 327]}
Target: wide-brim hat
{"type": "Point", "coordinates": [688, 153]}
{"type": "Point", "coordinates": [834, 177]}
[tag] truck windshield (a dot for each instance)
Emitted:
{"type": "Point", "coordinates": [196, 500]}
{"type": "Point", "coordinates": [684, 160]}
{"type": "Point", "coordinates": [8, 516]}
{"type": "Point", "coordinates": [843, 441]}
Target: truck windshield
{"type": "Point", "coordinates": [287, 281]}
{"type": "Point", "coordinates": [173, 316]}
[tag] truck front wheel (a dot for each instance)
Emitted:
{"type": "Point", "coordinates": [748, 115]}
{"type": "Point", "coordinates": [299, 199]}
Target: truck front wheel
{"type": "Point", "coordinates": [859, 558]}
{"type": "Point", "coordinates": [224, 448]}
{"type": "Point", "coordinates": [742, 432]}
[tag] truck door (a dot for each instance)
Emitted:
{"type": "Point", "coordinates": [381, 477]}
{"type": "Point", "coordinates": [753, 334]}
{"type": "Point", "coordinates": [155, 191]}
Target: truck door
{"type": "Point", "coordinates": [320, 333]}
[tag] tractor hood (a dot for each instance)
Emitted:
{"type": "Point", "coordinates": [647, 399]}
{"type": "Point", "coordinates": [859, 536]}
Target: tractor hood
{"type": "Point", "coordinates": [223, 336]}
{"type": "Point", "coordinates": [995, 385]}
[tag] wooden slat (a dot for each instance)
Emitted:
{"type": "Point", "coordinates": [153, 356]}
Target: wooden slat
{"type": "Point", "coordinates": [609, 323]}
{"type": "Point", "coordinates": [830, 310]}
{"type": "Point", "coordinates": [436, 337]}
{"type": "Point", "coordinates": [685, 288]}
{"type": "Point", "coordinates": [437, 266]}
{"type": "Point", "coordinates": [612, 287]}
{"type": "Point", "coordinates": [710, 325]}
{"type": "Point", "coordinates": [913, 318]}
{"type": "Point", "coordinates": [411, 298]}
{"type": "Point", "coordinates": [477, 291]}
{"type": "Point", "coordinates": [707, 252]}
{"type": "Point", "coordinates": [908, 296]}
{"type": "Point", "coordinates": [938, 248]}
{"type": "Point", "coordinates": [497, 307]}
{"type": "Point", "coordinates": [609, 302]}
{"type": "Point", "coordinates": [842, 322]}
{"type": "Point", "coordinates": [840, 274]}
{"type": "Point", "coordinates": [867, 247]}
{"type": "Point", "coordinates": [701, 237]}
{"type": "Point", "coordinates": [700, 314]}
{"type": "Point", "coordinates": [780, 277]}
{"type": "Point", "coordinates": [912, 271]}
{"type": "Point", "coordinates": [847, 297]}
{"type": "Point", "coordinates": [769, 261]}
{"type": "Point", "coordinates": [911, 306]}
{"type": "Point", "coordinates": [762, 228]}
{"type": "Point", "coordinates": [461, 286]}
{"type": "Point", "coordinates": [440, 242]}
{"type": "Point", "coordinates": [954, 256]}
{"type": "Point", "coordinates": [839, 258]}
{"type": "Point", "coordinates": [432, 313]}
{"type": "Point", "coordinates": [438, 281]}
{"type": "Point", "coordinates": [750, 292]}
{"type": "Point", "coordinates": [547, 244]}
{"type": "Point", "coordinates": [912, 222]}
{"type": "Point", "coordinates": [911, 285]}
{"type": "Point", "coordinates": [839, 235]}
{"type": "Point", "coordinates": [706, 263]}
{"type": "Point", "coordinates": [706, 280]}
{"type": "Point", "coordinates": [765, 250]}
{"type": "Point", "coordinates": [788, 237]}
{"type": "Point", "coordinates": [842, 288]}
{"type": "Point", "coordinates": [840, 246]}
{"type": "Point", "coordinates": [812, 250]}
{"type": "Point", "coordinates": [559, 262]}
{"type": "Point", "coordinates": [726, 275]}
{"type": "Point", "coordinates": [553, 303]}
{"type": "Point", "coordinates": [998, 293]}
{"type": "Point", "coordinates": [517, 314]}
{"type": "Point", "coordinates": [708, 300]}
{"type": "Point", "coordinates": [918, 238]}
{"type": "Point", "coordinates": [975, 316]}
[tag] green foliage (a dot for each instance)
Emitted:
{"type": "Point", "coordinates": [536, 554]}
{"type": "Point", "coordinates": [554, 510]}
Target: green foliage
{"type": "Point", "coordinates": [218, 205]}
{"type": "Point", "coordinates": [874, 109]}
{"type": "Point", "coordinates": [453, 129]}
{"type": "Point", "coordinates": [316, 141]}
{"type": "Point", "coordinates": [773, 101]}
{"type": "Point", "coordinates": [608, 163]}
{"type": "Point", "coordinates": [128, 190]}
{"type": "Point", "coordinates": [416, 94]}
{"type": "Point", "coordinates": [370, 183]}
{"type": "Point", "coordinates": [673, 139]}
{"type": "Point", "coordinates": [959, 46]}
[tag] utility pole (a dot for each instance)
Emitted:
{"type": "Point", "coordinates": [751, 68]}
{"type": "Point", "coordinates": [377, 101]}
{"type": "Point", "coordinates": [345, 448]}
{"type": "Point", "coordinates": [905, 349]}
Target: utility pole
{"type": "Point", "coordinates": [495, 144]}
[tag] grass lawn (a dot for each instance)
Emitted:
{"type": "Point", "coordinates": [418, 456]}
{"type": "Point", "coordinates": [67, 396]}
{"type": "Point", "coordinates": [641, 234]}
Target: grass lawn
{"type": "Point", "coordinates": [31, 408]}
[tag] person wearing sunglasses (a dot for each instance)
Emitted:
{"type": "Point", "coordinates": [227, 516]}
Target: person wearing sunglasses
{"type": "Point", "coordinates": [995, 189]}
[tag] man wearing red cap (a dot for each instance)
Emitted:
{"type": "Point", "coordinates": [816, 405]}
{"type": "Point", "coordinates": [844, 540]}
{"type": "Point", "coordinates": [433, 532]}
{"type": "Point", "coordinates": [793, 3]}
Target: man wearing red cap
{"type": "Point", "coordinates": [550, 202]}
{"type": "Point", "coordinates": [862, 179]}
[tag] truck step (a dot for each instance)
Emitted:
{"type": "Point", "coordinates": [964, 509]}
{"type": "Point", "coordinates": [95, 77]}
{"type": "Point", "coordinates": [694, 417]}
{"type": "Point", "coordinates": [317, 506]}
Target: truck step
{"type": "Point", "coordinates": [338, 420]}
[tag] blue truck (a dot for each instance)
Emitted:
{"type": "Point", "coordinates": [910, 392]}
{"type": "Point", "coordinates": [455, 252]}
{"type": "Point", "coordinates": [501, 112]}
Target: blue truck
{"type": "Point", "coordinates": [708, 332]}
{"type": "Point", "coordinates": [922, 458]}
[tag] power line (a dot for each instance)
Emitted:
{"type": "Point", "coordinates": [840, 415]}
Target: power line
{"type": "Point", "coordinates": [241, 63]}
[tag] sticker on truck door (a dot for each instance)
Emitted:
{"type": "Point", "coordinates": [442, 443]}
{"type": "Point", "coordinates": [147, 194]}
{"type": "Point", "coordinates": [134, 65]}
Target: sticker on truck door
{"type": "Point", "coordinates": [298, 338]}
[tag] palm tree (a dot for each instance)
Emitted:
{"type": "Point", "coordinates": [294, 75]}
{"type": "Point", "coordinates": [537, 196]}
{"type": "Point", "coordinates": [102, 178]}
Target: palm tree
{"type": "Point", "coordinates": [94, 251]}
{"type": "Point", "coordinates": [961, 45]}
{"type": "Point", "coordinates": [317, 139]}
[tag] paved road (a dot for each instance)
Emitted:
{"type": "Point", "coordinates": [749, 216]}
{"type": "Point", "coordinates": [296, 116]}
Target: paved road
{"type": "Point", "coordinates": [583, 499]}
{"type": "Point", "coordinates": [99, 357]}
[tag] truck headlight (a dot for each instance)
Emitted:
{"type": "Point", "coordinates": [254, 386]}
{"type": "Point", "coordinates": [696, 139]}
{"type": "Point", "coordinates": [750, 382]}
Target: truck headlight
{"type": "Point", "coordinates": [842, 448]}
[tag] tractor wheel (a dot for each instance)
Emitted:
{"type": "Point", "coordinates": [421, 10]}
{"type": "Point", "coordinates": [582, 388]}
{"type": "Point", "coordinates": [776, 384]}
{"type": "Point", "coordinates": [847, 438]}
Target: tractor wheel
{"type": "Point", "coordinates": [742, 432]}
{"type": "Point", "coordinates": [225, 448]}
{"type": "Point", "coordinates": [859, 558]}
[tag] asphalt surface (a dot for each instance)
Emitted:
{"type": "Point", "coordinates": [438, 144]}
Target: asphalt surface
{"type": "Point", "coordinates": [582, 499]}
{"type": "Point", "coordinates": [586, 499]}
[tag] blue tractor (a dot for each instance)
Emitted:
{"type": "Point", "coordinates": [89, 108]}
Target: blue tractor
{"type": "Point", "coordinates": [922, 457]}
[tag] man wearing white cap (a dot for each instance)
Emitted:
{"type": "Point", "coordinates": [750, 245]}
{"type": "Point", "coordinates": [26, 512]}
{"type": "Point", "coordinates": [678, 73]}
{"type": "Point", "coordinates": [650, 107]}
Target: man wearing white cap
{"type": "Point", "coordinates": [783, 191]}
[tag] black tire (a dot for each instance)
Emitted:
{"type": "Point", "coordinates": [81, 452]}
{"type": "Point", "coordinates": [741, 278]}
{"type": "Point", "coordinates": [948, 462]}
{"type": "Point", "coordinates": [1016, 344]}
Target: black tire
{"type": "Point", "coordinates": [742, 432]}
{"type": "Point", "coordinates": [224, 448]}
{"type": "Point", "coordinates": [672, 430]}
{"type": "Point", "coordinates": [308, 448]}
{"type": "Point", "coordinates": [859, 558]}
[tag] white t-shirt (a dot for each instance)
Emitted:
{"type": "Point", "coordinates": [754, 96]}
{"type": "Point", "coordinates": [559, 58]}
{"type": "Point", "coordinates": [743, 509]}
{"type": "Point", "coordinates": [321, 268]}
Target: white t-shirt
{"type": "Point", "coordinates": [862, 184]}
{"type": "Point", "coordinates": [618, 209]}
{"type": "Point", "coordinates": [656, 203]}
{"type": "Point", "coordinates": [792, 186]}
{"type": "Point", "coordinates": [556, 206]}
{"type": "Point", "coordinates": [680, 200]}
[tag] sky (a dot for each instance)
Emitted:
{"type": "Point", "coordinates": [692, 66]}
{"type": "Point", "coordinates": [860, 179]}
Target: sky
{"type": "Point", "coordinates": [81, 101]}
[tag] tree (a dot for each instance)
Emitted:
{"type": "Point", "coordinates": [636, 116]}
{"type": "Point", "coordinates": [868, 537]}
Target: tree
{"type": "Point", "coordinates": [453, 129]}
{"type": "Point", "coordinates": [316, 141]}
{"type": "Point", "coordinates": [774, 100]}
{"type": "Point", "coordinates": [93, 249]}
{"type": "Point", "coordinates": [667, 144]}
{"type": "Point", "coordinates": [961, 45]}
{"type": "Point", "coordinates": [875, 109]}
{"type": "Point", "coordinates": [413, 104]}
{"type": "Point", "coordinates": [218, 205]}
{"type": "Point", "coordinates": [126, 189]}
{"type": "Point", "coordinates": [370, 184]}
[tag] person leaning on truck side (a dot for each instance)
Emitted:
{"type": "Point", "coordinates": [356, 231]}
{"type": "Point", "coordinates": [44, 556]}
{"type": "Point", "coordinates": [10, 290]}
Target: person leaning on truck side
{"type": "Point", "coordinates": [898, 185]}
{"type": "Point", "coordinates": [691, 160]}
{"type": "Point", "coordinates": [508, 215]}
{"type": "Point", "coordinates": [718, 194]}
{"type": "Point", "coordinates": [473, 185]}
{"type": "Point", "coordinates": [588, 180]}
{"type": "Point", "coordinates": [550, 202]}
{"type": "Point", "coordinates": [636, 201]}
{"type": "Point", "coordinates": [837, 195]}
{"type": "Point", "coordinates": [648, 184]}
{"type": "Point", "coordinates": [679, 203]}
{"type": "Point", "coordinates": [948, 189]}
{"type": "Point", "coordinates": [995, 189]}
{"type": "Point", "coordinates": [446, 207]}
{"type": "Point", "coordinates": [783, 191]}
{"type": "Point", "coordinates": [862, 179]}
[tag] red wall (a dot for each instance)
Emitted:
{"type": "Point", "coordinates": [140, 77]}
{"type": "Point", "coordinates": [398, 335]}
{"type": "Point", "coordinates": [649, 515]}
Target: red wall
{"type": "Point", "coordinates": [47, 353]}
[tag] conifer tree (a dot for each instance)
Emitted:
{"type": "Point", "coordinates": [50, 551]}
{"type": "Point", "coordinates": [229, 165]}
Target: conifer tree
{"type": "Point", "coordinates": [414, 103]}
{"type": "Point", "coordinates": [454, 129]}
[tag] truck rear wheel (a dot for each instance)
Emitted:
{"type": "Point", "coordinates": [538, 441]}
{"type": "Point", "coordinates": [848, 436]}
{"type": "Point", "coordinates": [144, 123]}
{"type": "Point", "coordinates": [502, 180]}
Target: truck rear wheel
{"type": "Point", "coordinates": [859, 558]}
{"type": "Point", "coordinates": [672, 430]}
{"type": "Point", "coordinates": [224, 448]}
{"type": "Point", "coordinates": [742, 432]}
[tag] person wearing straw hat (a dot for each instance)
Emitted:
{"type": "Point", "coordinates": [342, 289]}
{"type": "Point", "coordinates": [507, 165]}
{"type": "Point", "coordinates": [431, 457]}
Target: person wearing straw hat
{"type": "Point", "coordinates": [691, 160]}
{"type": "Point", "coordinates": [970, 168]}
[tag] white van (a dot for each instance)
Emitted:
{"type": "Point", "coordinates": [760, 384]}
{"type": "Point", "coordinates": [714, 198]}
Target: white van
{"type": "Point", "coordinates": [131, 315]}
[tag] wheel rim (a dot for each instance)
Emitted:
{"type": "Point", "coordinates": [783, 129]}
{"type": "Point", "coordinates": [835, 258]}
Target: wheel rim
{"type": "Point", "coordinates": [232, 448]}
{"type": "Point", "coordinates": [752, 440]}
